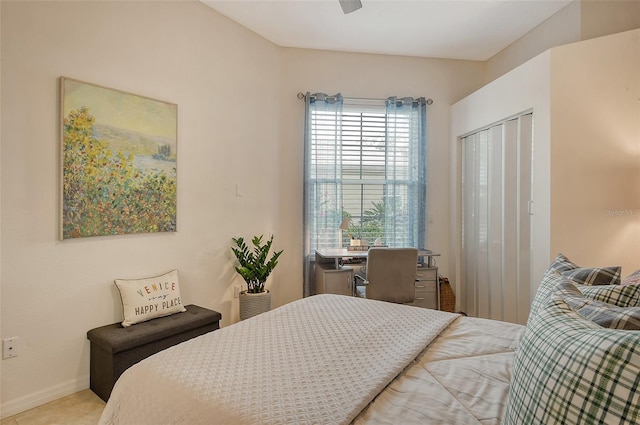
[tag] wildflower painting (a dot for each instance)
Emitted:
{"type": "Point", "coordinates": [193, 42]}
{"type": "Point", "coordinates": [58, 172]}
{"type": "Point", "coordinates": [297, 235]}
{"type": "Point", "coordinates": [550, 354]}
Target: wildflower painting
{"type": "Point", "coordinates": [119, 162]}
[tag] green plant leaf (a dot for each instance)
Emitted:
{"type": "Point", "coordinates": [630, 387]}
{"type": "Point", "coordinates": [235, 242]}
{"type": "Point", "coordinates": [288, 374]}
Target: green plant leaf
{"type": "Point", "coordinates": [254, 267]}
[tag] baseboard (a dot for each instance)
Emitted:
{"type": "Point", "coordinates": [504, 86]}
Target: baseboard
{"type": "Point", "coordinates": [13, 407]}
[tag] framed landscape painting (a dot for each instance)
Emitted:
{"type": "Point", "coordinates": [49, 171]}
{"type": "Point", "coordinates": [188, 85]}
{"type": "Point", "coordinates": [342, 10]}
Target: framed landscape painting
{"type": "Point", "coordinates": [119, 162]}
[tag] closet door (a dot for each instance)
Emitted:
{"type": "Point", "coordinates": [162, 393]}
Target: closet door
{"type": "Point", "coordinates": [496, 227]}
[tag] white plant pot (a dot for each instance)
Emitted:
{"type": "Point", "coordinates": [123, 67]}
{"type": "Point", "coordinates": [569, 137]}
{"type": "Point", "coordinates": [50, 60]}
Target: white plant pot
{"type": "Point", "coordinates": [254, 304]}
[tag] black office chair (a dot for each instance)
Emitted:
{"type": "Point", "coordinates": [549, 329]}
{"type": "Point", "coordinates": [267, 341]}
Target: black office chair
{"type": "Point", "coordinates": [390, 275]}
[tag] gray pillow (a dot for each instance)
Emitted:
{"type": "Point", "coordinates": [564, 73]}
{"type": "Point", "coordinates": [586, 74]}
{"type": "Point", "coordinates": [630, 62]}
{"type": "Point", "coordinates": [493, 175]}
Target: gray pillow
{"type": "Point", "coordinates": [586, 275]}
{"type": "Point", "coordinates": [606, 315]}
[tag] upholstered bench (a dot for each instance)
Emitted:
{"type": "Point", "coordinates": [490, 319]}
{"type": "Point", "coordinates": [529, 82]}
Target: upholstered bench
{"type": "Point", "coordinates": [115, 348]}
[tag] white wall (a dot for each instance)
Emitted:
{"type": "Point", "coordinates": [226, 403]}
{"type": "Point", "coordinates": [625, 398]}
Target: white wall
{"type": "Point", "coordinates": [586, 154]}
{"type": "Point", "coordinates": [525, 88]}
{"type": "Point", "coordinates": [239, 122]}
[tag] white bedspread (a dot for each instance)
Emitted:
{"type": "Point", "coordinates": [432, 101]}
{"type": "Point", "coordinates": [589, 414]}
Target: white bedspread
{"type": "Point", "coordinates": [462, 377]}
{"type": "Point", "coordinates": [319, 360]}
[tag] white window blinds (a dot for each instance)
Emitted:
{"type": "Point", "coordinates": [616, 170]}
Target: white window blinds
{"type": "Point", "coordinates": [365, 160]}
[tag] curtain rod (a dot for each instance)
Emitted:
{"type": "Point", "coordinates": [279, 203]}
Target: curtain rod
{"type": "Point", "coordinates": [302, 96]}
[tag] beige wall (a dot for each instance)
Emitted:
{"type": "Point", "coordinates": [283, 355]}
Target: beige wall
{"type": "Point", "coordinates": [53, 292]}
{"type": "Point", "coordinates": [604, 17]}
{"type": "Point", "coordinates": [239, 123]}
{"type": "Point", "coordinates": [580, 20]}
{"type": "Point", "coordinates": [363, 75]}
{"type": "Point", "coordinates": [595, 151]}
{"type": "Point", "coordinates": [561, 28]}
{"type": "Point", "coordinates": [586, 158]}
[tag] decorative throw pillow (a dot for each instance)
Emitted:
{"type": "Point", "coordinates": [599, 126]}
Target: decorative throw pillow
{"type": "Point", "coordinates": [632, 279]}
{"type": "Point", "coordinates": [562, 263]}
{"type": "Point", "coordinates": [551, 279]}
{"type": "Point", "coordinates": [594, 275]}
{"type": "Point", "coordinates": [586, 275]}
{"type": "Point", "coordinates": [148, 298]}
{"type": "Point", "coordinates": [604, 314]}
{"type": "Point", "coordinates": [562, 266]}
{"type": "Point", "coordinates": [569, 370]}
{"type": "Point", "coordinates": [622, 296]}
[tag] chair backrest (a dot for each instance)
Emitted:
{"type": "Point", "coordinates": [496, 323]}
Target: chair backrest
{"type": "Point", "coordinates": [391, 273]}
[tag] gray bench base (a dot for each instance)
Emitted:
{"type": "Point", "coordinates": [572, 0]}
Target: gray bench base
{"type": "Point", "coordinates": [114, 348]}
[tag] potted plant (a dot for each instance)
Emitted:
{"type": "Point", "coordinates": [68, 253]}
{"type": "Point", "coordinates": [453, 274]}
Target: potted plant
{"type": "Point", "coordinates": [255, 267]}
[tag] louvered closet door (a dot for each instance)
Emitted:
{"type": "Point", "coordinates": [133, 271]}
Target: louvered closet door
{"type": "Point", "coordinates": [496, 225]}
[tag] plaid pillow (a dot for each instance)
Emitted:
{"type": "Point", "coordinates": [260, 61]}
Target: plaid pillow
{"type": "Point", "coordinates": [603, 314]}
{"type": "Point", "coordinates": [551, 279]}
{"type": "Point", "coordinates": [586, 275]}
{"type": "Point", "coordinates": [620, 295]}
{"type": "Point", "coordinates": [632, 279]}
{"type": "Point", "coordinates": [594, 275]}
{"type": "Point", "coordinates": [569, 370]}
{"type": "Point", "coordinates": [562, 263]}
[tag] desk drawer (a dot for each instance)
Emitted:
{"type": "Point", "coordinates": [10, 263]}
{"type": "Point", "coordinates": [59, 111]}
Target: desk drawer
{"type": "Point", "coordinates": [425, 299]}
{"type": "Point", "coordinates": [426, 294]}
{"type": "Point", "coordinates": [425, 273]}
{"type": "Point", "coordinates": [426, 286]}
{"type": "Point", "coordinates": [424, 303]}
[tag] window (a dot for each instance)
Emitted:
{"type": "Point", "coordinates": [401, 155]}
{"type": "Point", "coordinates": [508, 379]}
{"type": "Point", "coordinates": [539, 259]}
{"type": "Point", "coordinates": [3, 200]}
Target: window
{"type": "Point", "coordinates": [365, 161]}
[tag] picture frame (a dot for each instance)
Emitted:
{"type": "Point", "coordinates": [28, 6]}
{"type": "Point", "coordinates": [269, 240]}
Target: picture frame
{"type": "Point", "coordinates": [118, 161]}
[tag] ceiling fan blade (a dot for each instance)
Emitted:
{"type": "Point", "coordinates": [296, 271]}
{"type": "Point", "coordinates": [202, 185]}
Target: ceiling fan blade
{"type": "Point", "coordinates": [349, 6]}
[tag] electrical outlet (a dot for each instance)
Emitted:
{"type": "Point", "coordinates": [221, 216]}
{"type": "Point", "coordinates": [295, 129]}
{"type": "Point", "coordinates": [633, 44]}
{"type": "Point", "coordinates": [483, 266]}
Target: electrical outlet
{"type": "Point", "coordinates": [10, 347]}
{"type": "Point", "coordinates": [236, 292]}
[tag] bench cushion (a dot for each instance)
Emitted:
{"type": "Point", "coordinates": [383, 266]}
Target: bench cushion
{"type": "Point", "coordinates": [116, 338]}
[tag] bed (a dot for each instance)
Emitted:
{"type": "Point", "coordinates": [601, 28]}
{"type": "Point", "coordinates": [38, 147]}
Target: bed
{"type": "Point", "coordinates": [327, 359]}
{"type": "Point", "coordinates": [332, 359]}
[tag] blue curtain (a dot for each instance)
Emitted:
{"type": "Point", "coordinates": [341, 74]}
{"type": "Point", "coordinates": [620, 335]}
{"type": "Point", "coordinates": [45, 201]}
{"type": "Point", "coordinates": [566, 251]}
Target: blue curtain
{"type": "Point", "coordinates": [322, 177]}
{"type": "Point", "coordinates": [406, 188]}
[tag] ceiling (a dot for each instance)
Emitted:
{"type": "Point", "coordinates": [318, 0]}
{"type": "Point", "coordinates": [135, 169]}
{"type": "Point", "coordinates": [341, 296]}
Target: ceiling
{"type": "Point", "coordinates": [453, 29]}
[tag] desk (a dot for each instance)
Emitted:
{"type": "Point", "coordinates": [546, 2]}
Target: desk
{"type": "Point", "coordinates": [331, 277]}
{"type": "Point", "coordinates": [334, 255]}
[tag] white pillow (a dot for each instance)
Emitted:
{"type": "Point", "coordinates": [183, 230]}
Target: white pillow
{"type": "Point", "coordinates": [148, 298]}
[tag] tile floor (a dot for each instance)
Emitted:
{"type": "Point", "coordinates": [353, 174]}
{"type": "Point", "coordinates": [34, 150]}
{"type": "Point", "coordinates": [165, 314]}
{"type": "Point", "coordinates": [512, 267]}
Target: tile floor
{"type": "Point", "coordinates": [82, 408]}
